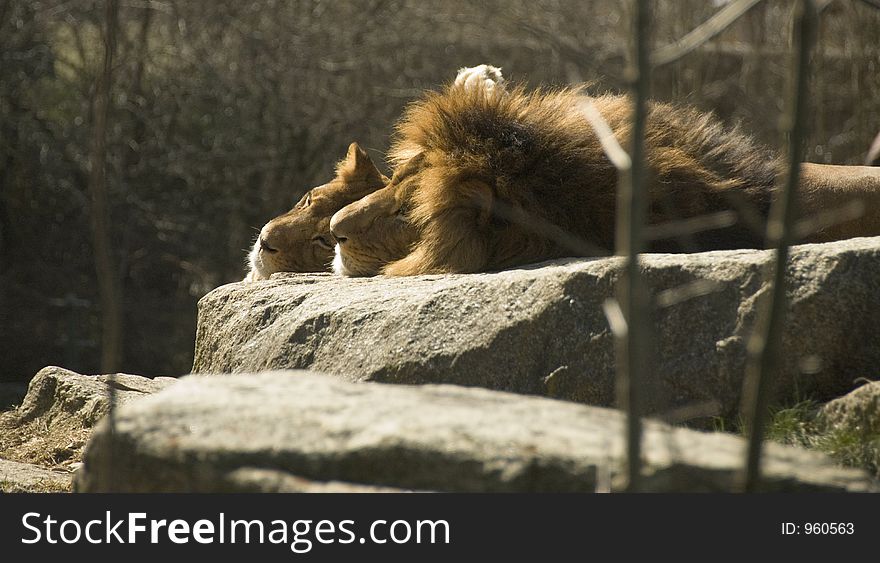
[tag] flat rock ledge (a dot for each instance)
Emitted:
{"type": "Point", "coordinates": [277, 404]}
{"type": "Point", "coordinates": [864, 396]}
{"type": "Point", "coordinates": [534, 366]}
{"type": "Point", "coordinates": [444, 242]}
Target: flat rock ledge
{"type": "Point", "coordinates": [541, 330]}
{"type": "Point", "coordinates": [275, 431]}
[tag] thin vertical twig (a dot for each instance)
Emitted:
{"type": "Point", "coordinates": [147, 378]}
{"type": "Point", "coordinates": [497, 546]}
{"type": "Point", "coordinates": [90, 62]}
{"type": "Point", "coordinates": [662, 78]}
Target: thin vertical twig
{"type": "Point", "coordinates": [766, 339]}
{"type": "Point", "coordinates": [631, 212]}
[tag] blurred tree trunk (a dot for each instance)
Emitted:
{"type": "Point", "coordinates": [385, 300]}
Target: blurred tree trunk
{"type": "Point", "coordinates": [109, 284]}
{"type": "Point", "coordinates": [137, 98]}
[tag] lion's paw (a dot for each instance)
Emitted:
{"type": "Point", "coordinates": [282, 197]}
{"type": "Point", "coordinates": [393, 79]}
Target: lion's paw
{"type": "Point", "coordinates": [484, 77]}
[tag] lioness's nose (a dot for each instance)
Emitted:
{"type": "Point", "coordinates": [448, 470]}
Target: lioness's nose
{"type": "Point", "coordinates": [269, 238]}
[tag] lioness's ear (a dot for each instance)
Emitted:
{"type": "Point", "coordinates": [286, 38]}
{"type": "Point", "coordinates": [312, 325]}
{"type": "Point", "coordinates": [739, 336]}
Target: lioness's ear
{"type": "Point", "coordinates": [358, 165]}
{"type": "Point", "coordinates": [356, 153]}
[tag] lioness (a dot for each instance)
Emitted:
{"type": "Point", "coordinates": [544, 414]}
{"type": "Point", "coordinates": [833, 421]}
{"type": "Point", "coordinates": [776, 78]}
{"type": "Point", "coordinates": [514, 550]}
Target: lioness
{"type": "Point", "coordinates": [300, 240]}
{"type": "Point", "coordinates": [488, 178]}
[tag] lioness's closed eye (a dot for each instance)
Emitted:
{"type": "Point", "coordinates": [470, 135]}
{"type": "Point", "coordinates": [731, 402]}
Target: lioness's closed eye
{"type": "Point", "coordinates": [300, 240]}
{"type": "Point", "coordinates": [488, 178]}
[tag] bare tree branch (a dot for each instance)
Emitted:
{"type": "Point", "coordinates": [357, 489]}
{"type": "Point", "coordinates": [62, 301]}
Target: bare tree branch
{"type": "Point", "coordinates": [615, 153]}
{"type": "Point", "coordinates": [765, 343]}
{"type": "Point", "coordinates": [631, 212]}
{"type": "Point", "coordinates": [704, 32]}
{"type": "Point", "coordinates": [873, 156]}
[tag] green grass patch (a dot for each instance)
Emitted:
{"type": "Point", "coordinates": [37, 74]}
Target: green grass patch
{"type": "Point", "coordinates": [798, 425]}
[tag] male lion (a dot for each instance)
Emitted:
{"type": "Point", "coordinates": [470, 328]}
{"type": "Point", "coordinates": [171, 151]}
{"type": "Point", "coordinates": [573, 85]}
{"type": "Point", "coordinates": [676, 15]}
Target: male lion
{"type": "Point", "coordinates": [488, 178]}
{"type": "Point", "coordinates": [300, 240]}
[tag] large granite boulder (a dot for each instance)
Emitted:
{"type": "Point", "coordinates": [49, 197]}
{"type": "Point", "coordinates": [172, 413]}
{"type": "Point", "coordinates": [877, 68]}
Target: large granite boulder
{"type": "Point", "coordinates": [541, 330]}
{"type": "Point", "coordinates": [278, 431]}
{"type": "Point", "coordinates": [56, 416]}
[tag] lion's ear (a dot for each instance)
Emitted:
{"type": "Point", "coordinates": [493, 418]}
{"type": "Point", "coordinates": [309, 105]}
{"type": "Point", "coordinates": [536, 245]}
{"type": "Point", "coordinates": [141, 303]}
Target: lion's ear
{"type": "Point", "coordinates": [481, 196]}
{"type": "Point", "coordinates": [408, 168]}
{"type": "Point", "coordinates": [358, 165]}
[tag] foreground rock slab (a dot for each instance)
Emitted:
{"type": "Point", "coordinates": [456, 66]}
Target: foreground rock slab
{"type": "Point", "coordinates": [24, 477]}
{"type": "Point", "coordinates": [55, 418]}
{"type": "Point", "coordinates": [204, 433]}
{"type": "Point", "coordinates": [542, 330]}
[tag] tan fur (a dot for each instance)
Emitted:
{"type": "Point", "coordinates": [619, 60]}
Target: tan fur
{"type": "Point", "coordinates": [300, 240]}
{"type": "Point", "coordinates": [827, 190]}
{"type": "Point", "coordinates": [492, 179]}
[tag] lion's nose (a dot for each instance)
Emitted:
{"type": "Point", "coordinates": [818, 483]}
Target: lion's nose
{"type": "Point", "coordinates": [265, 246]}
{"type": "Point", "coordinates": [338, 227]}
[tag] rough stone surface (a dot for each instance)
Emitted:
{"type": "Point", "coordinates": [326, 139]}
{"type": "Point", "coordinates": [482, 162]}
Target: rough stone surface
{"type": "Point", "coordinates": [56, 392]}
{"type": "Point", "coordinates": [858, 410]}
{"type": "Point", "coordinates": [23, 477]}
{"type": "Point", "coordinates": [541, 330]}
{"type": "Point", "coordinates": [54, 420]}
{"type": "Point", "coordinates": [850, 426]}
{"type": "Point", "coordinates": [198, 434]}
